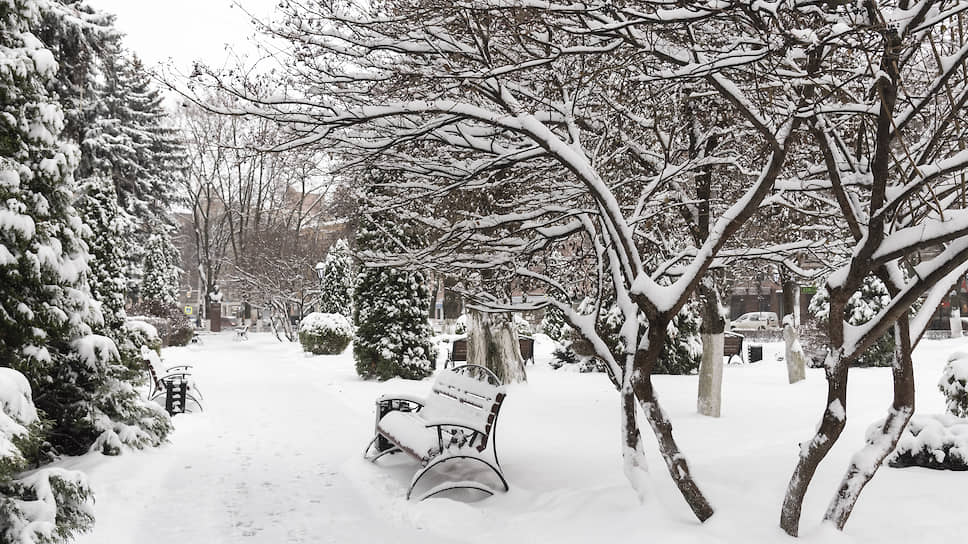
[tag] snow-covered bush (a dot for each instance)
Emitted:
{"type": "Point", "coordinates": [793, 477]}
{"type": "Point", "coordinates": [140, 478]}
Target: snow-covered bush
{"type": "Point", "coordinates": [862, 306]}
{"type": "Point", "coordinates": [174, 327]}
{"type": "Point", "coordinates": [460, 325]}
{"type": "Point", "coordinates": [954, 384]}
{"type": "Point", "coordinates": [120, 417]}
{"type": "Point", "coordinates": [932, 441]}
{"type": "Point", "coordinates": [393, 333]}
{"type": "Point", "coordinates": [522, 326]}
{"type": "Point", "coordinates": [324, 333]}
{"type": "Point", "coordinates": [554, 326]}
{"type": "Point", "coordinates": [45, 505]}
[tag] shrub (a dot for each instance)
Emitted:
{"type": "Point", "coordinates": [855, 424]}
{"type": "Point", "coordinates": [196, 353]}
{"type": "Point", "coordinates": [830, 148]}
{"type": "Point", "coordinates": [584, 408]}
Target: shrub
{"type": "Point", "coordinates": [933, 441]}
{"type": "Point", "coordinates": [325, 334]}
{"type": "Point", "coordinates": [460, 325]}
{"type": "Point", "coordinates": [862, 306]}
{"type": "Point", "coordinates": [554, 325]}
{"type": "Point", "coordinates": [174, 327]}
{"type": "Point", "coordinates": [46, 505]}
{"type": "Point", "coordinates": [522, 326]}
{"type": "Point", "coordinates": [954, 385]}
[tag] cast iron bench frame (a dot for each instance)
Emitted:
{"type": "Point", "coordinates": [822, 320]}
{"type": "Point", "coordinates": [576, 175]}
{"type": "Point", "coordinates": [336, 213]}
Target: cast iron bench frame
{"type": "Point", "coordinates": [162, 380]}
{"type": "Point", "coordinates": [458, 420]}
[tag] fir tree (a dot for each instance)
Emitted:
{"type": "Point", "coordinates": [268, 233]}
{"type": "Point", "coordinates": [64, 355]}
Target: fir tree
{"type": "Point", "coordinates": [47, 311]}
{"type": "Point", "coordinates": [159, 285]}
{"type": "Point", "coordinates": [393, 336]}
{"type": "Point", "coordinates": [97, 204]}
{"type": "Point", "coordinates": [337, 290]}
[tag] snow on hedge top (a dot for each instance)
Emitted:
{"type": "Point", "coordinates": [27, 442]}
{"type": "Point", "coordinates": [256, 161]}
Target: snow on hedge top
{"type": "Point", "coordinates": [16, 409]}
{"type": "Point", "coordinates": [317, 323]}
{"type": "Point", "coordinates": [134, 324]}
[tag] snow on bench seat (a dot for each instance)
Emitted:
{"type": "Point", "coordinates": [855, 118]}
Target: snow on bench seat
{"type": "Point", "coordinates": [408, 431]}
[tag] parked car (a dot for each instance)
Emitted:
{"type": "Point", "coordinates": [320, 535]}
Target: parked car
{"type": "Point", "coordinates": [756, 321]}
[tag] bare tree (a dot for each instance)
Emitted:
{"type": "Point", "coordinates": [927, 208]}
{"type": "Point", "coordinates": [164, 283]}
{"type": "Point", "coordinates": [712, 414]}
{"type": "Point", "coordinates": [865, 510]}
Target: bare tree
{"type": "Point", "coordinates": [578, 108]}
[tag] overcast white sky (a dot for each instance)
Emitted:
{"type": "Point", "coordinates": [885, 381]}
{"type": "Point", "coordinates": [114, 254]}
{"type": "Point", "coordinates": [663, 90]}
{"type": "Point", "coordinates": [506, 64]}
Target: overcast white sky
{"type": "Point", "coordinates": [185, 30]}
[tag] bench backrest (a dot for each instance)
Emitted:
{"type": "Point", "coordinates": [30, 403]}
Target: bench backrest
{"type": "Point", "coordinates": [527, 347]}
{"type": "Point", "coordinates": [152, 365]}
{"type": "Point", "coordinates": [457, 396]}
{"type": "Point", "coordinates": [732, 344]}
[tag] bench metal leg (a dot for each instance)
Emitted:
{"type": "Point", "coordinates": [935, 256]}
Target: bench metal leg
{"type": "Point", "coordinates": [378, 455]}
{"type": "Point", "coordinates": [454, 485]}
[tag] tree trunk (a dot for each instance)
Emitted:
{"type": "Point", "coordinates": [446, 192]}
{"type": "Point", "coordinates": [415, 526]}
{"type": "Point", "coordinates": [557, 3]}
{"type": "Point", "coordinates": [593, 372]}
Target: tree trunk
{"type": "Point", "coordinates": [641, 382]}
{"type": "Point", "coordinates": [673, 457]}
{"type": "Point", "coordinates": [710, 399]}
{"type": "Point", "coordinates": [866, 462]}
{"type": "Point", "coordinates": [790, 291]}
{"type": "Point", "coordinates": [633, 454]}
{"type": "Point", "coordinates": [452, 305]}
{"type": "Point", "coordinates": [492, 342]}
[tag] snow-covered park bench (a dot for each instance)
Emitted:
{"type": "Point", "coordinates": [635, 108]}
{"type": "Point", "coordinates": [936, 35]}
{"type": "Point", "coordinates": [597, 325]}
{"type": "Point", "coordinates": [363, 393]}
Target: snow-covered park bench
{"type": "Point", "coordinates": [242, 333]}
{"type": "Point", "coordinates": [173, 384]}
{"type": "Point", "coordinates": [456, 422]}
{"type": "Point", "coordinates": [458, 352]}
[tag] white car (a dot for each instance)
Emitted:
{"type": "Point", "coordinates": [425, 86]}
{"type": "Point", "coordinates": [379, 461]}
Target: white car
{"type": "Point", "coordinates": [756, 321]}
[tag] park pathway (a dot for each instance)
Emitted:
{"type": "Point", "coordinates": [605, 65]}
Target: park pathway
{"type": "Point", "coordinates": [262, 464]}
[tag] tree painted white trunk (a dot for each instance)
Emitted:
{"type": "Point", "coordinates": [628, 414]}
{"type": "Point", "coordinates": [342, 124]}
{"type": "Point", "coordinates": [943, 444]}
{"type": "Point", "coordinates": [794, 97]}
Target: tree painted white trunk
{"type": "Point", "coordinates": [492, 342]}
{"type": "Point", "coordinates": [710, 398]}
{"type": "Point", "coordinates": [796, 360]}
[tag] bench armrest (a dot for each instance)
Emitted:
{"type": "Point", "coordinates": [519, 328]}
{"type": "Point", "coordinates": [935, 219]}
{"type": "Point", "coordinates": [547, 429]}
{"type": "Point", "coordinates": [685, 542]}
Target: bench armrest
{"type": "Point", "coordinates": [420, 401]}
{"type": "Point", "coordinates": [179, 368]}
{"type": "Point", "coordinates": [455, 422]}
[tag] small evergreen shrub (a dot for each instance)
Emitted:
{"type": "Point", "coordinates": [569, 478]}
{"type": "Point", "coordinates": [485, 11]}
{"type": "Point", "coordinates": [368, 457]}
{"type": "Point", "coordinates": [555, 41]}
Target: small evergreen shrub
{"type": "Point", "coordinates": [522, 326]}
{"type": "Point", "coordinates": [954, 385]}
{"type": "Point", "coordinates": [932, 441]}
{"type": "Point", "coordinates": [173, 326]}
{"type": "Point", "coordinates": [554, 326]}
{"type": "Point", "coordinates": [325, 334]}
{"type": "Point", "coordinates": [460, 325]}
{"type": "Point", "coordinates": [862, 306]}
{"type": "Point", "coordinates": [45, 505]}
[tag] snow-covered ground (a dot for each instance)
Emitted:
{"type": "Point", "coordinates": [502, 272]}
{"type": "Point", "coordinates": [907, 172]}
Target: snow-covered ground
{"type": "Point", "coordinates": [276, 458]}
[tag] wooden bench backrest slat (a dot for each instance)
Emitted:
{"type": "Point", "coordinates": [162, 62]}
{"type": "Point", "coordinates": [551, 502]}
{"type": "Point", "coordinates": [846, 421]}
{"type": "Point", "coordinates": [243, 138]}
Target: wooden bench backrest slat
{"type": "Point", "coordinates": [463, 397]}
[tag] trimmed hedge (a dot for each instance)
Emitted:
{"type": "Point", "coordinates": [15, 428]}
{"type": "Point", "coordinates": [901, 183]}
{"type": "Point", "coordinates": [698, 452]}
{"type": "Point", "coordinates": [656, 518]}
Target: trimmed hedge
{"type": "Point", "coordinates": [325, 334]}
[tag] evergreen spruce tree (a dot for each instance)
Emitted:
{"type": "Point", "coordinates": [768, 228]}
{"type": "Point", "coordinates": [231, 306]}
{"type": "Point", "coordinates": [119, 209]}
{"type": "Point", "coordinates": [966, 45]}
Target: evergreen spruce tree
{"type": "Point", "coordinates": [97, 204]}
{"type": "Point", "coordinates": [159, 285]}
{"type": "Point", "coordinates": [337, 290]}
{"type": "Point", "coordinates": [47, 311]}
{"type": "Point", "coordinates": [393, 336]}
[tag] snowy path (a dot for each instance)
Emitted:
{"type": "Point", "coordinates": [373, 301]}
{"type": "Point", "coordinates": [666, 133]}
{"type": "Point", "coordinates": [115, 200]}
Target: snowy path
{"type": "Point", "coordinates": [276, 458]}
{"type": "Point", "coordinates": [255, 467]}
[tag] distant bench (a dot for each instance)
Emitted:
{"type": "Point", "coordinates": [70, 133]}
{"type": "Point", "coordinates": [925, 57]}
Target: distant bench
{"type": "Point", "coordinates": [733, 346]}
{"type": "Point", "coordinates": [458, 351]}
